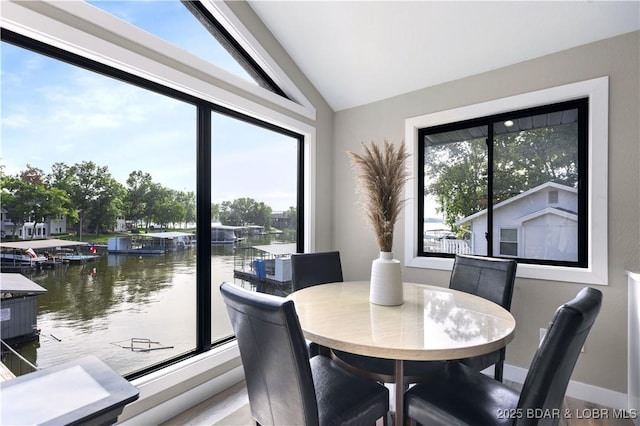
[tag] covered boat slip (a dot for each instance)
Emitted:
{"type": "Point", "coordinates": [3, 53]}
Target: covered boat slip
{"type": "Point", "coordinates": [151, 243]}
{"type": "Point", "coordinates": [18, 314]}
{"type": "Point", "coordinates": [48, 253]}
{"type": "Point", "coordinates": [41, 245]}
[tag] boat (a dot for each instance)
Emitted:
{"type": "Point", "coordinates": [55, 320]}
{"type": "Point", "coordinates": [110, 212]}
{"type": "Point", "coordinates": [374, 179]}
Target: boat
{"type": "Point", "coordinates": [79, 258]}
{"type": "Point", "coordinates": [21, 258]}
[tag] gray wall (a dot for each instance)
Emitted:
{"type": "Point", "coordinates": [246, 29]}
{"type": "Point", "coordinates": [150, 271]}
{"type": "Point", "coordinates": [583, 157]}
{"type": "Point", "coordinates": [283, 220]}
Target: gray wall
{"type": "Point", "coordinates": [604, 361]}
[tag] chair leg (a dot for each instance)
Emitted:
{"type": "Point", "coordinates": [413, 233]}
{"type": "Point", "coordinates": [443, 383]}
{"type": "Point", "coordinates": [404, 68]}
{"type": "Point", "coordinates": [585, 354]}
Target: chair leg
{"type": "Point", "coordinates": [324, 351]}
{"type": "Point", "coordinates": [498, 370]}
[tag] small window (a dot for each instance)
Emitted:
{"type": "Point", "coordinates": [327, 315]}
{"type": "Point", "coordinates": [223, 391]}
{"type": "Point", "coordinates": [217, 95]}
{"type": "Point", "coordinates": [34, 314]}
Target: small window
{"type": "Point", "coordinates": [553, 197]}
{"type": "Point", "coordinates": [592, 267]}
{"type": "Point", "coordinates": [508, 242]}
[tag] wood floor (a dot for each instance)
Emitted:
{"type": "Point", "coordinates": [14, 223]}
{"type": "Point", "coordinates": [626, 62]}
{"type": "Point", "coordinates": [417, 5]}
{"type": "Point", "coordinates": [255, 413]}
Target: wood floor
{"type": "Point", "coordinates": [231, 408]}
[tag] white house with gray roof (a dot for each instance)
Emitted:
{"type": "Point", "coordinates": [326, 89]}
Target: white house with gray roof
{"type": "Point", "coordinates": [540, 223]}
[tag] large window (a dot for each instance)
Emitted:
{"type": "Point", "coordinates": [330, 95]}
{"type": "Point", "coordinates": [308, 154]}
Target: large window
{"type": "Point", "coordinates": [139, 174]}
{"type": "Point", "coordinates": [521, 177]}
{"type": "Point", "coordinates": [511, 185]}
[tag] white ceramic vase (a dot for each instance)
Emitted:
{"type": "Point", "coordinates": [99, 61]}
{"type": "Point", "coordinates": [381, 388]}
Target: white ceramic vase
{"type": "Point", "coordinates": [386, 281]}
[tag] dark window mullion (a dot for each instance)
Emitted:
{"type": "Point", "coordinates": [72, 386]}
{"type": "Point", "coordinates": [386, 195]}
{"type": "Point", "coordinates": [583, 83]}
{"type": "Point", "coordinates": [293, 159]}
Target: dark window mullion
{"type": "Point", "coordinates": [220, 33]}
{"type": "Point", "coordinates": [490, 146]}
{"type": "Point", "coordinates": [300, 197]}
{"type": "Point", "coordinates": [421, 191]}
{"type": "Point", "coordinates": [203, 230]}
{"type": "Point", "coordinates": [583, 183]}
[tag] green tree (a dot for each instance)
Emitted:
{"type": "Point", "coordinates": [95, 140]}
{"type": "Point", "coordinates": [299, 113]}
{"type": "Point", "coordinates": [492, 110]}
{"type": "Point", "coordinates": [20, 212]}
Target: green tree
{"type": "Point", "coordinates": [28, 197]}
{"type": "Point", "coordinates": [107, 206]}
{"type": "Point", "coordinates": [456, 173]}
{"type": "Point", "coordinates": [188, 201]}
{"type": "Point", "coordinates": [139, 186]}
{"type": "Point", "coordinates": [458, 176]}
{"type": "Point", "coordinates": [215, 212]}
{"type": "Point", "coordinates": [168, 208]}
{"type": "Point", "coordinates": [93, 191]}
{"type": "Point", "coordinates": [292, 216]}
{"type": "Point", "coordinates": [245, 211]}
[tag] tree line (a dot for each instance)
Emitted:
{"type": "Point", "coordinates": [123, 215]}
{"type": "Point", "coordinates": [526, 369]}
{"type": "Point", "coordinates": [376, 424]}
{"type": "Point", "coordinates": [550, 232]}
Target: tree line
{"type": "Point", "coordinates": [88, 195]}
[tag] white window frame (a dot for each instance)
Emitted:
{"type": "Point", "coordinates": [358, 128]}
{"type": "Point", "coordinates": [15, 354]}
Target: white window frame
{"type": "Point", "coordinates": [597, 90]}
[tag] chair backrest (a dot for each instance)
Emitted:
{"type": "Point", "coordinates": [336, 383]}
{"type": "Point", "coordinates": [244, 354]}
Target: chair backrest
{"type": "Point", "coordinates": [487, 277]}
{"type": "Point", "coordinates": [274, 357]}
{"type": "Point", "coordinates": [546, 382]}
{"type": "Point", "coordinates": [309, 269]}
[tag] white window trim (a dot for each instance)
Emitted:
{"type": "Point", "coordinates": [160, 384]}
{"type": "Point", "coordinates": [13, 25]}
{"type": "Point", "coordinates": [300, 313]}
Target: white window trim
{"type": "Point", "coordinates": [242, 35]}
{"type": "Point", "coordinates": [597, 90]}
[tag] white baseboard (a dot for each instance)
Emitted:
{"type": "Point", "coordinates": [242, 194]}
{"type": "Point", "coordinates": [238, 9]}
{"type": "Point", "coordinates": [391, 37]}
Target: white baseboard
{"type": "Point", "coordinates": [583, 391]}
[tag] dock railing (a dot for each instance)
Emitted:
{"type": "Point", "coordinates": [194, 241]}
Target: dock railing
{"type": "Point", "coordinates": [23, 365]}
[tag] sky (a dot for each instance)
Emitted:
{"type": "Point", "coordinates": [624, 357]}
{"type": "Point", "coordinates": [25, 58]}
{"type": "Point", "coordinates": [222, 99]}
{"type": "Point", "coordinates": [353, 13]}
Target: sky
{"type": "Point", "coordinates": [55, 112]}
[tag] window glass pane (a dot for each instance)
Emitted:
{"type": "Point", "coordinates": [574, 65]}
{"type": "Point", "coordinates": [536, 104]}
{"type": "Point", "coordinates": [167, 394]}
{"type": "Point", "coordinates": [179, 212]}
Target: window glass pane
{"type": "Point", "coordinates": [509, 235]}
{"type": "Point", "coordinates": [173, 22]}
{"type": "Point", "coordinates": [254, 210]}
{"type": "Point", "coordinates": [455, 182]}
{"type": "Point", "coordinates": [535, 183]}
{"type": "Point", "coordinates": [103, 163]}
{"type": "Point", "coordinates": [509, 242]}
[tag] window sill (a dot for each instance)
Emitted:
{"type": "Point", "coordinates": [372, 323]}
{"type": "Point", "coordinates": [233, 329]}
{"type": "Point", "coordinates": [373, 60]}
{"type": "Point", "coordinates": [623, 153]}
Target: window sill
{"type": "Point", "coordinates": [539, 272]}
{"type": "Point", "coordinates": [172, 390]}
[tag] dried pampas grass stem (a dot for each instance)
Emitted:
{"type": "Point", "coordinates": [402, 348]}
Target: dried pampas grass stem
{"type": "Point", "coordinates": [381, 175]}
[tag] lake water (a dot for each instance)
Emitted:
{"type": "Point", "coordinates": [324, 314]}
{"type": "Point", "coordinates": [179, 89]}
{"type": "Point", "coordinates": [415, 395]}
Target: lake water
{"type": "Point", "coordinates": [97, 308]}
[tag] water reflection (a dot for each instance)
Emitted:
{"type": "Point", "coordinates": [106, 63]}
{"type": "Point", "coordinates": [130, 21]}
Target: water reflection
{"type": "Point", "coordinates": [81, 295]}
{"type": "Point", "coordinates": [460, 324]}
{"type": "Point", "coordinates": [95, 307]}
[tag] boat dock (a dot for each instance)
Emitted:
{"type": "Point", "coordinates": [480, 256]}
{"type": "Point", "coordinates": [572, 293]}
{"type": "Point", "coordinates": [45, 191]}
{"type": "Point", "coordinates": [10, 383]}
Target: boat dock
{"type": "Point", "coordinates": [152, 243]}
{"type": "Point", "coordinates": [267, 267]}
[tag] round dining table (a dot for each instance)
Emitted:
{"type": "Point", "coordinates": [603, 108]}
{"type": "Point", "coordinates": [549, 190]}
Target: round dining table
{"type": "Point", "coordinates": [433, 323]}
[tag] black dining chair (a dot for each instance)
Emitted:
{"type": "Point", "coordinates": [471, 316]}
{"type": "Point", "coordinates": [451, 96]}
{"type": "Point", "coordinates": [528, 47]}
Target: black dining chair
{"type": "Point", "coordinates": [486, 277]}
{"type": "Point", "coordinates": [309, 269]}
{"type": "Point", "coordinates": [492, 279]}
{"type": "Point", "coordinates": [459, 395]}
{"type": "Point", "coordinates": [285, 386]}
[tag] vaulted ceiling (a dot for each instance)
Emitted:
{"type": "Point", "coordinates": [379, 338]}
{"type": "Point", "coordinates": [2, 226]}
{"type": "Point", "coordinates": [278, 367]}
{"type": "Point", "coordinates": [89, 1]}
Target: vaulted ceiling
{"type": "Point", "coordinates": [358, 52]}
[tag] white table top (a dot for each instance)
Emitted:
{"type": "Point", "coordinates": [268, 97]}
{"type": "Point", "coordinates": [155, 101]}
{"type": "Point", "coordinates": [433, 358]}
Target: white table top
{"type": "Point", "coordinates": [434, 323]}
